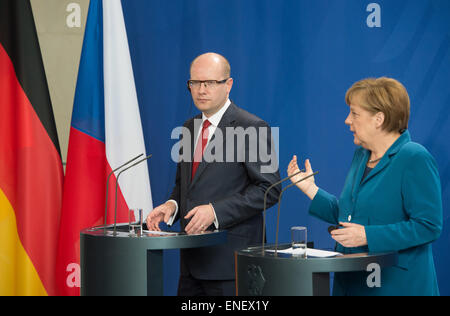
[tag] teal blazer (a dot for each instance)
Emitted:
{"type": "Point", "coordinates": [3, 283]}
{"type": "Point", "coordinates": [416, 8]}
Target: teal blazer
{"type": "Point", "coordinates": [399, 203]}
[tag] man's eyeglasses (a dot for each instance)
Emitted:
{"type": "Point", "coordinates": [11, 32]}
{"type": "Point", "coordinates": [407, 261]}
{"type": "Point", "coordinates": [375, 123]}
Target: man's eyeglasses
{"type": "Point", "coordinates": [211, 84]}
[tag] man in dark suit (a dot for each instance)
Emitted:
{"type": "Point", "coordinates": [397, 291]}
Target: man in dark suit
{"type": "Point", "coordinates": [222, 184]}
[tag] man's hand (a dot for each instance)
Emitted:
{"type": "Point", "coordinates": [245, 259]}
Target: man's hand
{"type": "Point", "coordinates": [201, 218]}
{"type": "Point", "coordinates": [159, 214]}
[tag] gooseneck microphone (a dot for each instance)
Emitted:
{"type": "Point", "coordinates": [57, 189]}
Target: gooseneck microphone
{"type": "Point", "coordinates": [265, 203]}
{"type": "Point", "coordinates": [117, 184]}
{"type": "Point", "coordinates": [279, 203]}
{"type": "Point", "coordinates": [107, 183]}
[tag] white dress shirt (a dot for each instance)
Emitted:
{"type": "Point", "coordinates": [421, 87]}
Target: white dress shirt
{"type": "Point", "coordinates": [214, 120]}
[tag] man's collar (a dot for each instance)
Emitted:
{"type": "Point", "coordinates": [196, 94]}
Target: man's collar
{"type": "Point", "coordinates": [215, 118]}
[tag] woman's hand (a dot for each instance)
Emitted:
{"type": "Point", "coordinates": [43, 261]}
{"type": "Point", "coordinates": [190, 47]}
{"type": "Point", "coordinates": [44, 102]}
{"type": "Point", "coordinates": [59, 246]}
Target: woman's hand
{"type": "Point", "coordinates": [307, 186]}
{"type": "Point", "coordinates": [351, 235]}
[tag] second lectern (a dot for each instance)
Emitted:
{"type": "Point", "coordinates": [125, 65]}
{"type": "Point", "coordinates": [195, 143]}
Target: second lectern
{"type": "Point", "coordinates": [262, 272]}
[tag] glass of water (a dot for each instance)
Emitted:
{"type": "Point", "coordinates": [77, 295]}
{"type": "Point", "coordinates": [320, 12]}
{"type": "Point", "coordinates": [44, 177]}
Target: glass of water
{"type": "Point", "coordinates": [299, 240]}
{"type": "Point", "coordinates": [135, 222]}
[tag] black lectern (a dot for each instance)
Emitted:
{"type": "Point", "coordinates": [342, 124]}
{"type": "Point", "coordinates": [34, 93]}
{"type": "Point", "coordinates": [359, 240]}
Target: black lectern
{"type": "Point", "coordinates": [264, 273]}
{"type": "Point", "coordinates": [123, 265]}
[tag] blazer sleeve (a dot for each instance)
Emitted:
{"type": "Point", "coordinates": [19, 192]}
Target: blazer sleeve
{"type": "Point", "coordinates": [176, 192]}
{"type": "Point", "coordinates": [325, 207]}
{"type": "Point", "coordinates": [250, 201]}
{"type": "Point", "coordinates": [422, 203]}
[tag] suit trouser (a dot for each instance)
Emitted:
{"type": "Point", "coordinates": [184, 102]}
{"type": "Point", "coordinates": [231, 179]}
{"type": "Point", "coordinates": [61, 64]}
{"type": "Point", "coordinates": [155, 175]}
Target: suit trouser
{"type": "Point", "coordinates": [189, 286]}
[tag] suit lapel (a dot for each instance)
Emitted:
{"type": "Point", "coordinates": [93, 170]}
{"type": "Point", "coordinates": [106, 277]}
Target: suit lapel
{"type": "Point", "coordinates": [378, 168]}
{"type": "Point", "coordinates": [359, 173]}
{"type": "Point", "coordinates": [384, 162]}
{"type": "Point", "coordinates": [193, 134]}
{"type": "Point", "coordinates": [228, 119]}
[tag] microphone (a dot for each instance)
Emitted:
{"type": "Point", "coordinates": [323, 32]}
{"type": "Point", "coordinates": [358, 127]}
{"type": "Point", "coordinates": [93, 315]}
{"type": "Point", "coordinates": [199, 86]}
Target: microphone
{"type": "Point", "coordinates": [265, 205]}
{"type": "Point", "coordinates": [117, 184]}
{"type": "Point", "coordinates": [107, 184]}
{"type": "Point", "coordinates": [279, 203]}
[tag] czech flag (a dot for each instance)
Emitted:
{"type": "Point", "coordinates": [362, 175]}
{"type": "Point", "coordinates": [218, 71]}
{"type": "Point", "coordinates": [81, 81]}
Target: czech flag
{"type": "Point", "coordinates": [106, 132]}
{"type": "Point", "coordinates": [31, 173]}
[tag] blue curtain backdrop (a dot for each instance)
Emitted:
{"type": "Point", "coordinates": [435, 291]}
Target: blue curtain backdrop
{"type": "Point", "coordinates": [292, 62]}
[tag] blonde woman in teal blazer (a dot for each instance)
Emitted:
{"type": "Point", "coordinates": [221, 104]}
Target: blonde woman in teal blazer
{"type": "Point", "coordinates": [391, 200]}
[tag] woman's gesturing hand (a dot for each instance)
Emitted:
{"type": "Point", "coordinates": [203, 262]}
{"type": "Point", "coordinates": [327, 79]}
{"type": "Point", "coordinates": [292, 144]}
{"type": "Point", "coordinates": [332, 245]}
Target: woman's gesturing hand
{"type": "Point", "coordinates": [307, 186]}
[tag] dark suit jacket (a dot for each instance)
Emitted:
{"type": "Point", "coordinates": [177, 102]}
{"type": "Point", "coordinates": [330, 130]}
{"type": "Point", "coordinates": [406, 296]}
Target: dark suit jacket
{"type": "Point", "coordinates": [236, 191]}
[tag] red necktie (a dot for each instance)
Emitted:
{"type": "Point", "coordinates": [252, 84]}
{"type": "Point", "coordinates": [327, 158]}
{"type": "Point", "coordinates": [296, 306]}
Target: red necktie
{"type": "Point", "coordinates": [200, 148]}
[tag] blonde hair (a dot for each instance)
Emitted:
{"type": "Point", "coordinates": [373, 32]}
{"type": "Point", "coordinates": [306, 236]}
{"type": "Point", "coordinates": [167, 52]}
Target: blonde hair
{"type": "Point", "coordinates": [384, 95]}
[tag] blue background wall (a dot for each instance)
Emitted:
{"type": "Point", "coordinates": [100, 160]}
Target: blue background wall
{"type": "Point", "coordinates": [292, 62]}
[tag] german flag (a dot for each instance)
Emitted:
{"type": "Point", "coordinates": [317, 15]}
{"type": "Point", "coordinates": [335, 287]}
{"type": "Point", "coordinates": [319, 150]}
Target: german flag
{"type": "Point", "coordinates": [31, 175]}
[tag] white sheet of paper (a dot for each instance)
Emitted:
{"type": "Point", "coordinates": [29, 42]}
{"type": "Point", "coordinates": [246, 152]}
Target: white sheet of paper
{"type": "Point", "coordinates": [160, 233]}
{"type": "Point", "coordinates": [310, 252]}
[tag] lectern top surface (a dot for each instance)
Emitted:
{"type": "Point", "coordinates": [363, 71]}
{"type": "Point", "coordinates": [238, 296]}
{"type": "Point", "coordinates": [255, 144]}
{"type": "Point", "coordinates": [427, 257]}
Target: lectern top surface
{"type": "Point", "coordinates": [342, 263]}
{"type": "Point", "coordinates": [154, 240]}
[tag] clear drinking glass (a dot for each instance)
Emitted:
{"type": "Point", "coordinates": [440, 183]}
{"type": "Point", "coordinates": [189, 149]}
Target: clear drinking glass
{"type": "Point", "coordinates": [299, 240]}
{"type": "Point", "coordinates": [135, 222]}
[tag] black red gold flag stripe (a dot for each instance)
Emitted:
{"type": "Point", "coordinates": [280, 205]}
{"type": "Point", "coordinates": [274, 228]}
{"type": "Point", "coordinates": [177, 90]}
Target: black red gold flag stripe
{"type": "Point", "coordinates": [31, 175]}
